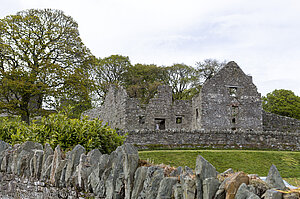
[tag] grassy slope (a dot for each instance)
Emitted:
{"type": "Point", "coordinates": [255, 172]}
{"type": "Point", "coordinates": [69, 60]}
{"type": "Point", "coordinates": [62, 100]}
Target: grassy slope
{"type": "Point", "coordinates": [254, 162]}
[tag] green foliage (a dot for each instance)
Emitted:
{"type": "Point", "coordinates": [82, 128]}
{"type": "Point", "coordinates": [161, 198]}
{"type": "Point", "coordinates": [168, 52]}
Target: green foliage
{"type": "Point", "coordinates": [282, 102]}
{"type": "Point", "coordinates": [58, 129]}
{"type": "Point", "coordinates": [183, 80]}
{"type": "Point", "coordinates": [141, 81]}
{"type": "Point", "coordinates": [110, 70]}
{"type": "Point", "coordinates": [41, 52]}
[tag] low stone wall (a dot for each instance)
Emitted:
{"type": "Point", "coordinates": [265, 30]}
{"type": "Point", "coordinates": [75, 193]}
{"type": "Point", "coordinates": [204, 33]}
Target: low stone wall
{"type": "Point", "coordinates": [273, 122]}
{"type": "Point", "coordinates": [215, 139]}
{"type": "Point", "coordinates": [34, 171]}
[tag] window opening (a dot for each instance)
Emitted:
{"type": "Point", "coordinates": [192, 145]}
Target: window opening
{"type": "Point", "coordinates": [178, 119]}
{"type": "Point", "coordinates": [232, 91]}
{"type": "Point", "coordinates": [197, 113]}
{"type": "Point", "coordinates": [233, 120]}
{"type": "Point", "coordinates": [141, 119]}
{"type": "Point", "coordinates": [160, 124]}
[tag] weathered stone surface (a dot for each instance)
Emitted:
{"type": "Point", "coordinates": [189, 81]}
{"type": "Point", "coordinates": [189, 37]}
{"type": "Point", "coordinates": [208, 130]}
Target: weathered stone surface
{"type": "Point", "coordinates": [189, 188]}
{"type": "Point", "coordinates": [178, 191]}
{"type": "Point", "coordinates": [221, 193]}
{"type": "Point", "coordinates": [73, 160]}
{"type": "Point", "coordinates": [22, 156]}
{"type": "Point", "coordinates": [244, 193]}
{"type": "Point", "coordinates": [233, 183]}
{"type": "Point", "coordinates": [273, 194]}
{"type": "Point", "coordinates": [36, 164]}
{"type": "Point", "coordinates": [274, 179]}
{"type": "Point", "coordinates": [46, 168]}
{"type": "Point", "coordinates": [151, 184]}
{"type": "Point", "coordinates": [130, 164]}
{"type": "Point", "coordinates": [166, 187]}
{"type": "Point", "coordinates": [210, 187]}
{"type": "Point", "coordinates": [57, 158]}
{"type": "Point", "coordinates": [203, 170]}
{"type": "Point", "coordinates": [139, 178]}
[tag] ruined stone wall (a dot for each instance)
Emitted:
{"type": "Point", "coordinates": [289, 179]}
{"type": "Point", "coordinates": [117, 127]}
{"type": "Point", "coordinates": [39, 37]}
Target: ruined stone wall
{"type": "Point", "coordinates": [216, 139]}
{"type": "Point", "coordinates": [230, 100]}
{"type": "Point", "coordinates": [273, 122]}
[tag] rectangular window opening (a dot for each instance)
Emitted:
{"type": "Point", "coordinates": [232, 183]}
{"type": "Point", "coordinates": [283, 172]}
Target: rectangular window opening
{"type": "Point", "coordinates": [178, 119]}
{"type": "Point", "coordinates": [232, 91]}
{"type": "Point", "coordinates": [197, 113]}
{"type": "Point", "coordinates": [141, 119]}
{"type": "Point", "coordinates": [233, 121]}
{"type": "Point", "coordinates": [160, 124]}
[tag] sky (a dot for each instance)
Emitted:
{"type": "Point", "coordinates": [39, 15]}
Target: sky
{"type": "Point", "coordinates": [261, 36]}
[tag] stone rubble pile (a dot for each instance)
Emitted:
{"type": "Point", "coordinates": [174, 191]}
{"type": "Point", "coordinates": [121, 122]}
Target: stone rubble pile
{"type": "Point", "coordinates": [31, 170]}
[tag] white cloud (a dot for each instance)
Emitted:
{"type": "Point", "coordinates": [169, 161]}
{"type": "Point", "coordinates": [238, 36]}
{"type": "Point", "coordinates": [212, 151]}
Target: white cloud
{"type": "Point", "coordinates": [261, 36]}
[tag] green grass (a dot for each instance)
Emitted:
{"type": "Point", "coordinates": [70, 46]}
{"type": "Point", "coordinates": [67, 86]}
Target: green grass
{"type": "Point", "coordinates": [251, 162]}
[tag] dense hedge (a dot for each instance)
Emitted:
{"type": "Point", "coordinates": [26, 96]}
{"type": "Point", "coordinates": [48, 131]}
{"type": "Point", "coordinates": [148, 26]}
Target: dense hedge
{"type": "Point", "coordinates": [58, 129]}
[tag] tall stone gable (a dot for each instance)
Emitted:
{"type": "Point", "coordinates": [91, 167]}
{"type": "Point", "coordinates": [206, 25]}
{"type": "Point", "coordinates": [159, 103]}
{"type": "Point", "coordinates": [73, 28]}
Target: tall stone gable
{"type": "Point", "coordinates": [228, 101]}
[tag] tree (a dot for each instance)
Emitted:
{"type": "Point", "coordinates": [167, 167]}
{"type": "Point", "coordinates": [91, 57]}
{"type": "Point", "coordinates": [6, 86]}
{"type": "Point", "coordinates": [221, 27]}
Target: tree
{"type": "Point", "coordinates": [181, 78]}
{"type": "Point", "coordinates": [141, 81]}
{"type": "Point", "coordinates": [282, 102]}
{"type": "Point", "coordinates": [40, 52]}
{"type": "Point", "coordinates": [208, 68]}
{"type": "Point", "coordinates": [110, 70]}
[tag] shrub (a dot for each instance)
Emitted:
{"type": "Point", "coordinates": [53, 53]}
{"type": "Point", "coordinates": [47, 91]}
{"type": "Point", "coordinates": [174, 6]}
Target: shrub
{"type": "Point", "coordinates": [58, 129]}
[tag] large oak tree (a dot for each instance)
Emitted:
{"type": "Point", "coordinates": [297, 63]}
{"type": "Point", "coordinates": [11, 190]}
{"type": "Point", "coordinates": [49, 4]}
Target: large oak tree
{"type": "Point", "coordinates": [42, 61]}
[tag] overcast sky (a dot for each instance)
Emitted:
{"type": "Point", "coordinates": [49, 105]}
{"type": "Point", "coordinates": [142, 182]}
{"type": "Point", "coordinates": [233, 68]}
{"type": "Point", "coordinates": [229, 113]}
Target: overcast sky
{"type": "Point", "coordinates": [261, 36]}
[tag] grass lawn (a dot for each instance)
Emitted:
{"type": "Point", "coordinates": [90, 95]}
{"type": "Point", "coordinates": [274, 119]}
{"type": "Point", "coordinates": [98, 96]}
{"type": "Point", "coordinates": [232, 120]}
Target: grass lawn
{"type": "Point", "coordinates": [251, 162]}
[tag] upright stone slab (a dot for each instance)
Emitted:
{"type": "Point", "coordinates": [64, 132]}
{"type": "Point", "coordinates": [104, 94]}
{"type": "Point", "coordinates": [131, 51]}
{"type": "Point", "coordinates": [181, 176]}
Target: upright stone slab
{"type": "Point", "coordinates": [139, 178]}
{"type": "Point", "coordinates": [203, 170]}
{"type": "Point", "coordinates": [57, 158]}
{"type": "Point", "coordinates": [22, 156]}
{"type": "Point", "coordinates": [73, 160]}
{"type": "Point", "coordinates": [189, 188]}
{"type": "Point", "coordinates": [130, 164]}
{"type": "Point", "coordinates": [166, 187]}
{"type": "Point", "coordinates": [151, 184]}
{"type": "Point", "coordinates": [210, 187]}
{"type": "Point", "coordinates": [274, 179]}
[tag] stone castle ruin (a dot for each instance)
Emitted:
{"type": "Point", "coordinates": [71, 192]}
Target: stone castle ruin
{"type": "Point", "coordinates": [227, 101]}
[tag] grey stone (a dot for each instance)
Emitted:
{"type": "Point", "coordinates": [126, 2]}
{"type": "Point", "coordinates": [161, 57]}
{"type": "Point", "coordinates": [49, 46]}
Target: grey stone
{"type": "Point", "coordinates": [151, 183]}
{"type": "Point", "coordinates": [244, 193]}
{"type": "Point", "coordinates": [273, 194]}
{"type": "Point", "coordinates": [46, 168]}
{"type": "Point", "coordinates": [189, 188]}
{"type": "Point", "coordinates": [166, 187]}
{"type": "Point", "coordinates": [22, 156]}
{"type": "Point", "coordinates": [221, 194]}
{"type": "Point", "coordinates": [57, 158]}
{"type": "Point", "coordinates": [203, 170]}
{"type": "Point", "coordinates": [130, 164]}
{"type": "Point", "coordinates": [210, 187]}
{"type": "Point", "coordinates": [274, 179]}
{"type": "Point", "coordinates": [73, 160]}
{"type": "Point", "coordinates": [139, 178]}
{"type": "Point", "coordinates": [178, 191]}
{"type": "Point", "coordinates": [37, 161]}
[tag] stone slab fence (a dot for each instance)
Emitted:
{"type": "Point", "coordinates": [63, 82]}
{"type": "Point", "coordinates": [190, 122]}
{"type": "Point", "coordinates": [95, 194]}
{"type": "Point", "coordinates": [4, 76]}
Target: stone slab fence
{"type": "Point", "coordinates": [144, 139]}
{"type": "Point", "coordinates": [31, 170]}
